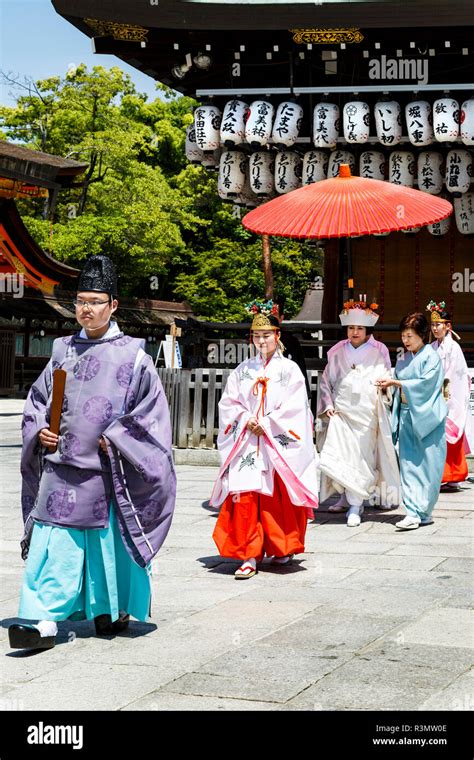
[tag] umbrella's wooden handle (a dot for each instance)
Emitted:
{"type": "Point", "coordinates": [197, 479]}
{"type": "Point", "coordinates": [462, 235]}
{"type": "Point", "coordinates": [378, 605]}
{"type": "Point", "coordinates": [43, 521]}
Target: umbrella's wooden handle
{"type": "Point", "coordinates": [59, 383]}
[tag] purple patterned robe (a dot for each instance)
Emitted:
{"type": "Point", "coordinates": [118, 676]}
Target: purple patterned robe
{"type": "Point", "coordinates": [105, 395]}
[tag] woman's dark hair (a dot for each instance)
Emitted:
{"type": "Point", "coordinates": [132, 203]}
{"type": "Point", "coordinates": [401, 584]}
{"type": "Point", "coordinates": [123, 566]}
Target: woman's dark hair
{"type": "Point", "coordinates": [416, 321]}
{"type": "Point", "coordinates": [274, 320]}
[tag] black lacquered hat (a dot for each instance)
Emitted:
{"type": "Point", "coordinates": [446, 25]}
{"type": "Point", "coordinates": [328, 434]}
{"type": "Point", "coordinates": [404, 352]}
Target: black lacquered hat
{"type": "Point", "coordinates": [98, 276]}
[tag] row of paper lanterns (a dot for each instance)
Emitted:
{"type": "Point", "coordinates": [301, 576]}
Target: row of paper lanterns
{"type": "Point", "coordinates": [261, 124]}
{"type": "Point", "coordinates": [264, 175]}
{"type": "Point", "coordinates": [463, 215]}
{"type": "Point", "coordinates": [287, 170]}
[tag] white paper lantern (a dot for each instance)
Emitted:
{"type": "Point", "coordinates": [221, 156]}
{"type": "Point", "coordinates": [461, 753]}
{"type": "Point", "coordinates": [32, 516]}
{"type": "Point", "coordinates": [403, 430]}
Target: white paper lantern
{"type": "Point", "coordinates": [194, 154]}
{"type": "Point", "coordinates": [287, 124]}
{"type": "Point", "coordinates": [464, 213]}
{"type": "Point", "coordinates": [287, 171]}
{"type": "Point", "coordinates": [326, 125]}
{"type": "Point", "coordinates": [411, 230]}
{"type": "Point", "coordinates": [258, 128]}
{"type": "Point", "coordinates": [337, 158]}
{"type": "Point", "coordinates": [446, 115]}
{"type": "Point", "coordinates": [356, 121]}
{"type": "Point", "coordinates": [438, 229]}
{"type": "Point", "coordinates": [262, 173]}
{"type": "Point", "coordinates": [381, 234]}
{"type": "Point", "coordinates": [419, 122]}
{"type": "Point", "coordinates": [207, 122]}
{"type": "Point", "coordinates": [467, 122]}
{"type": "Point", "coordinates": [402, 168]}
{"type": "Point", "coordinates": [233, 123]}
{"type": "Point", "coordinates": [458, 171]}
{"type": "Point", "coordinates": [232, 172]}
{"type": "Point", "coordinates": [247, 198]}
{"type": "Point", "coordinates": [430, 172]}
{"type": "Point", "coordinates": [388, 122]}
{"type": "Point", "coordinates": [211, 160]}
{"type": "Point", "coordinates": [315, 166]}
{"type": "Point", "coordinates": [372, 165]}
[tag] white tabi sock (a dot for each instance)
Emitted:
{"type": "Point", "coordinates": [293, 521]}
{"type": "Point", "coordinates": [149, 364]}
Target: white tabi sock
{"type": "Point", "coordinates": [46, 628]}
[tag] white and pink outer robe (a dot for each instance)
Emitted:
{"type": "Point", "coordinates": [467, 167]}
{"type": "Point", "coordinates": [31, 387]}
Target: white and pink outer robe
{"type": "Point", "coordinates": [249, 462]}
{"type": "Point", "coordinates": [356, 449]}
{"type": "Point", "coordinates": [458, 421]}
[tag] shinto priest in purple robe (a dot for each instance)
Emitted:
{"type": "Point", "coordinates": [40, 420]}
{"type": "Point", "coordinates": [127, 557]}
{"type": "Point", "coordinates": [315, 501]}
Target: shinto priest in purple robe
{"type": "Point", "coordinates": [112, 393]}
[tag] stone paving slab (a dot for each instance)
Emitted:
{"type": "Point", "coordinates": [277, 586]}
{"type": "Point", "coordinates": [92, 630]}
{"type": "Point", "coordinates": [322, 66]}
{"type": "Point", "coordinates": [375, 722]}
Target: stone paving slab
{"type": "Point", "coordinates": [373, 682]}
{"type": "Point", "coordinates": [159, 700]}
{"type": "Point", "coordinates": [457, 564]}
{"type": "Point", "coordinates": [387, 579]}
{"type": "Point", "coordinates": [448, 627]}
{"type": "Point", "coordinates": [458, 695]}
{"type": "Point", "coordinates": [101, 686]}
{"type": "Point", "coordinates": [334, 630]}
{"type": "Point", "coordinates": [445, 549]}
{"type": "Point", "coordinates": [376, 561]}
{"type": "Point", "coordinates": [202, 684]}
{"type": "Point", "coordinates": [368, 618]}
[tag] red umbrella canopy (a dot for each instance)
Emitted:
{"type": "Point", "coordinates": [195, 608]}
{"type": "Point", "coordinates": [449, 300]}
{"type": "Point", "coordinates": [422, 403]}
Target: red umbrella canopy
{"type": "Point", "coordinates": [344, 206]}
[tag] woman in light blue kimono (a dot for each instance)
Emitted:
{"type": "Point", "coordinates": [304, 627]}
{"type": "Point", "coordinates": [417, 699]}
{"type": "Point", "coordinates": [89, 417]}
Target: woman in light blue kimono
{"type": "Point", "coordinates": [418, 422]}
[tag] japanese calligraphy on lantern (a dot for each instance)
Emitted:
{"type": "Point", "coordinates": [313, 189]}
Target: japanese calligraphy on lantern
{"type": "Point", "coordinates": [326, 125]}
{"type": "Point", "coordinates": [261, 173]}
{"type": "Point", "coordinates": [258, 128]}
{"type": "Point", "coordinates": [419, 122]}
{"type": "Point", "coordinates": [231, 178]}
{"type": "Point", "coordinates": [438, 229]}
{"type": "Point", "coordinates": [446, 113]}
{"type": "Point", "coordinates": [287, 171]}
{"type": "Point", "coordinates": [194, 154]}
{"type": "Point", "coordinates": [207, 121]}
{"type": "Point", "coordinates": [233, 123]}
{"type": "Point", "coordinates": [372, 165]}
{"type": "Point", "coordinates": [315, 166]}
{"type": "Point", "coordinates": [464, 213]}
{"type": "Point", "coordinates": [356, 121]}
{"type": "Point", "coordinates": [402, 168]}
{"type": "Point", "coordinates": [337, 158]}
{"type": "Point", "coordinates": [430, 172]}
{"type": "Point", "coordinates": [388, 122]}
{"type": "Point", "coordinates": [287, 124]}
{"type": "Point", "coordinates": [458, 171]}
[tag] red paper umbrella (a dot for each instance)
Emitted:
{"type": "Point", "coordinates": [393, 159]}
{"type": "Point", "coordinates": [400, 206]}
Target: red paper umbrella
{"type": "Point", "coordinates": [345, 206]}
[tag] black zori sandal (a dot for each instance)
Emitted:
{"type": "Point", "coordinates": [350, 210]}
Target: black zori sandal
{"type": "Point", "coordinates": [28, 637]}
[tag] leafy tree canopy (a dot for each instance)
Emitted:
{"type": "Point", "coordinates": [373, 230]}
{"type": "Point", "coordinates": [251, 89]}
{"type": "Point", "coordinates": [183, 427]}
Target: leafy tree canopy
{"type": "Point", "coordinates": [158, 217]}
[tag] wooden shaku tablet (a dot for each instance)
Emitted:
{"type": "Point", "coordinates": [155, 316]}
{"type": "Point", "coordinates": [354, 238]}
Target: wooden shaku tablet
{"type": "Point", "coordinates": [59, 382]}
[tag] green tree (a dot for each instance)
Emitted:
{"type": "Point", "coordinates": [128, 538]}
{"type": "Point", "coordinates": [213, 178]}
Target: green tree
{"type": "Point", "coordinates": [158, 217]}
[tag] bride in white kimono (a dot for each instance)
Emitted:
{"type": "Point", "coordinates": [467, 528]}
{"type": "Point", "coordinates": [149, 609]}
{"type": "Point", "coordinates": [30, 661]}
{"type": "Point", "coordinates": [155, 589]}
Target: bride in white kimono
{"type": "Point", "coordinates": [357, 456]}
{"type": "Point", "coordinates": [267, 480]}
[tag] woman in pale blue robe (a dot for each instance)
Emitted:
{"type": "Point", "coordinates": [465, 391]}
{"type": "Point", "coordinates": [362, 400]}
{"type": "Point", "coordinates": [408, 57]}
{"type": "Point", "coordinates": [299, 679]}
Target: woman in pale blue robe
{"type": "Point", "coordinates": [418, 422]}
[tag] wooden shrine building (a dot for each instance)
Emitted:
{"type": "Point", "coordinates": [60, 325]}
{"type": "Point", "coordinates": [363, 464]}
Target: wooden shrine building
{"type": "Point", "coordinates": [333, 51]}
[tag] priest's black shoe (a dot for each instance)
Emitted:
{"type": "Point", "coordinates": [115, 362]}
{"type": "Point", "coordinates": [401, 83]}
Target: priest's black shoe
{"type": "Point", "coordinates": [105, 627]}
{"type": "Point", "coordinates": [28, 637]}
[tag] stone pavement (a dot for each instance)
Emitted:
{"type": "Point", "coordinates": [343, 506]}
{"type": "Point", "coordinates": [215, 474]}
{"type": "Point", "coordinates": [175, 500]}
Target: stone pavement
{"type": "Point", "coordinates": [368, 618]}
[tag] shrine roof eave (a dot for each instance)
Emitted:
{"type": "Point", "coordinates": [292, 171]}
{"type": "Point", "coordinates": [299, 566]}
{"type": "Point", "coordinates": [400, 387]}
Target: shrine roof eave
{"type": "Point", "coordinates": [36, 167]}
{"type": "Point", "coordinates": [238, 15]}
{"type": "Point", "coordinates": [135, 312]}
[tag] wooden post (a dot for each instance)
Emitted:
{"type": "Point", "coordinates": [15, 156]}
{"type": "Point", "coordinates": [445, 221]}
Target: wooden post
{"type": "Point", "coordinates": [267, 266]}
{"type": "Point", "coordinates": [175, 332]}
